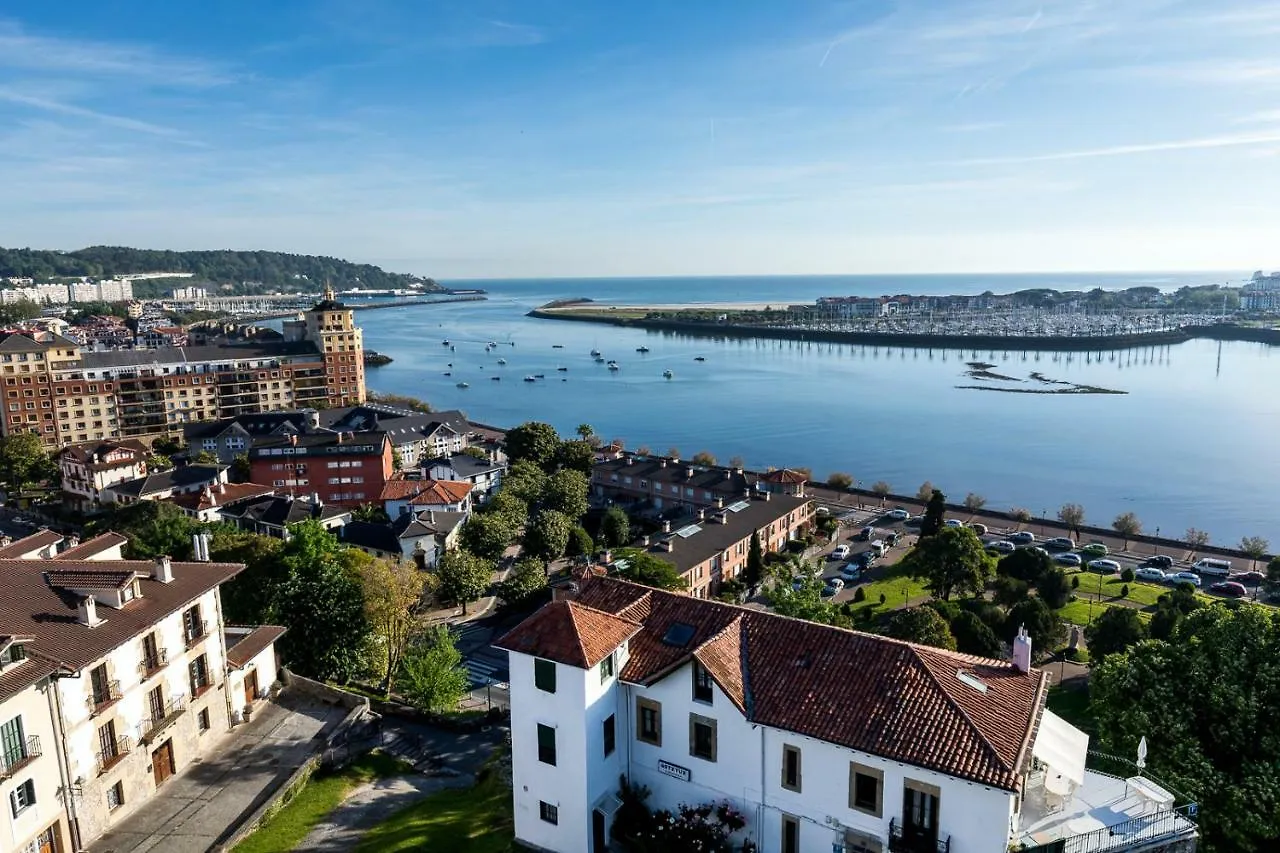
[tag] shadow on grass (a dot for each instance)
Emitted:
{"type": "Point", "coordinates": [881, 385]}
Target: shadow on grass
{"type": "Point", "coordinates": [460, 820]}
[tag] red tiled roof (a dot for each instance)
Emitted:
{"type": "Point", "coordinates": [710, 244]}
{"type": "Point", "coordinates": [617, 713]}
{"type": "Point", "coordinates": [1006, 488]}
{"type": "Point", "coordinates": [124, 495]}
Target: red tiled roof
{"type": "Point", "coordinates": [252, 643]}
{"type": "Point", "coordinates": [220, 495]}
{"type": "Point", "coordinates": [40, 539]}
{"type": "Point", "coordinates": [422, 492]}
{"type": "Point", "coordinates": [86, 578]}
{"type": "Point", "coordinates": [784, 475]}
{"type": "Point", "coordinates": [94, 546]}
{"type": "Point", "coordinates": [877, 695]}
{"type": "Point", "coordinates": [569, 633]}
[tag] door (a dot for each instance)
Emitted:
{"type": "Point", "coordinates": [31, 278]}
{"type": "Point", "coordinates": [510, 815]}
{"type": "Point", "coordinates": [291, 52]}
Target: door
{"type": "Point", "coordinates": [250, 686]}
{"type": "Point", "coordinates": [48, 840]}
{"type": "Point", "coordinates": [599, 840]}
{"type": "Point", "coordinates": [162, 762]}
{"type": "Point", "coordinates": [919, 816]}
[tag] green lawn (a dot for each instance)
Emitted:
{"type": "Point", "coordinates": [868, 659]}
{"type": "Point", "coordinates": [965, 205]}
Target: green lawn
{"type": "Point", "coordinates": [285, 830]}
{"type": "Point", "coordinates": [464, 820]}
{"type": "Point", "coordinates": [892, 583]}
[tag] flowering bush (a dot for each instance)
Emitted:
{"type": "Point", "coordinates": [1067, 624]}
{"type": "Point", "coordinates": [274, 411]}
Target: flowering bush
{"type": "Point", "coordinates": [690, 829]}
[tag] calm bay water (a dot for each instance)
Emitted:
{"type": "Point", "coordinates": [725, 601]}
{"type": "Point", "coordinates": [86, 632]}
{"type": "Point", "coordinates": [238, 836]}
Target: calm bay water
{"type": "Point", "coordinates": [1191, 443]}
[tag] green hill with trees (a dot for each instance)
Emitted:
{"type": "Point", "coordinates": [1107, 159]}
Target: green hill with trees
{"type": "Point", "coordinates": [267, 270]}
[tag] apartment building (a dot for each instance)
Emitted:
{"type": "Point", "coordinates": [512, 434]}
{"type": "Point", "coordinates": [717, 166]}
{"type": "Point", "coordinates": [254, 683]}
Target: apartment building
{"type": "Point", "coordinates": [88, 469]}
{"type": "Point", "coordinates": [484, 475]}
{"type": "Point", "coordinates": [834, 741]}
{"type": "Point", "coordinates": [276, 515]}
{"type": "Point", "coordinates": [345, 469]}
{"type": "Point", "coordinates": [415, 436]}
{"type": "Point", "coordinates": [162, 485]}
{"type": "Point", "coordinates": [66, 394]}
{"type": "Point", "coordinates": [666, 484]}
{"type": "Point", "coordinates": [114, 676]}
{"type": "Point", "coordinates": [714, 545]}
{"type": "Point", "coordinates": [229, 437]}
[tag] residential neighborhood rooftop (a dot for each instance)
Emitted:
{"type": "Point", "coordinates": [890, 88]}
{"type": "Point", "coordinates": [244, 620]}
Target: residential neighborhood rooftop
{"type": "Point", "coordinates": [163, 481]}
{"type": "Point", "coordinates": [699, 541]}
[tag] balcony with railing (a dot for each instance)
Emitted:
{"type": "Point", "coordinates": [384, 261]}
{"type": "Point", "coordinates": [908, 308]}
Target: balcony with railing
{"type": "Point", "coordinates": [194, 634]}
{"type": "Point", "coordinates": [102, 697]}
{"type": "Point", "coordinates": [905, 839]}
{"type": "Point", "coordinates": [156, 723]}
{"type": "Point", "coordinates": [153, 663]}
{"type": "Point", "coordinates": [109, 758]}
{"type": "Point", "coordinates": [13, 760]}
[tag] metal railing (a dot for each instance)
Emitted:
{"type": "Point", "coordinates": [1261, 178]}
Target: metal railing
{"type": "Point", "coordinates": [151, 664]}
{"type": "Point", "coordinates": [1146, 832]}
{"type": "Point", "coordinates": [12, 762]}
{"type": "Point", "coordinates": [97, 700]}
{"type": "Point", "coordinates": [153, 725]}
{"type": "Point", "coordinates": [109, 758]}
{"type": "Point", "coordinates": [195, 633]}
{"type": "Point", "coordinates": [913, 841]}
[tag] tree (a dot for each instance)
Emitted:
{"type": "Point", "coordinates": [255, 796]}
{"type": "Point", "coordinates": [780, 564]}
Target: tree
{"type": "Point", "coordinates": [1020, 514]}
{"type": "Point", "coordinates": [1218, 666]}
{"type": "Point", "coordinates": [1072, 515]}
{"type": "Point", "coordinates": [1273, 575]}
{"type": "Point", "coordinates": [1195, 538]}
{"type": "Point", "coordinates": [953, 561]}
{"type": "Point", "coordinates": [1025, 565]}
{"type": "Point", "coordinates": [1009, 590]}
{"type": "Point", "coordinates": [158, 462]}
{"type": "Point", "coordinates": [250, 597]}
{"type": "Point", "coordinates": [533, 442]}
{"type": "Point", "coordinates": [322, 604]}
{"type": "Point", "coordinates": [513, 510]}
{"type": "Point", "coordinates": [23, 460]}
{"type": "Point", "coordinates": [1053, 588]}
{"type": "Point", "coordinates": [547, 535]}
{"type": "Point", "coordinates": [579, 456]}
{"type": "Point", "coordinates": [973, 502]}
{"type": "Point", "coordinates": [169, 445]}
{"type": "Point", "coordinates": [737, 462]}
{"type": "Point", "coordinates": [1171, 609]}
{"type": "Point", "coordinates": [1128, 526]}
{"type": "Point", "coordinates": [432, 677]}
{"type": "Point", "coordinates": [673, 453]}
{"type": "Point", "coordinates": [803, 600]}
{"type": "Point", "coordinates": [1255, 547]}
{"type": "Point", "coordinates": [241, 470]}
{"type": "Point", "coordinates": [753, 572]}
{"type": "Point", "coordinates": [1114, 631]}
{"type": "Point", "coordinates": [585, 431]}
{"type": "Point", "coordinates": [205, 457]}
{"type": "Point", "coordinates": [372, 513]}
{"type": "Point", "coordinates": [1043, 625]}
{"type": "Point", "coordinates": [839, 480]}
{"type": "Point", "coordinates": [393, 594]}
{"type": "Point", "coordinates": [926, 490]}
{"type": "Point", "coordinates": [476, 453]}
{"type": "Point", "coordinates": [566, 491]}
{"type": "Point", "coordinates": [524, 480]}
{"type": "Point", "coordinates": [934, 514]}
{"type": "Point", "coordinates": [643, 450]}
{"type": "Point", "coordinates": [527, 581]}
{"type": "Point", "coordinates": [464, 577]}
{"type": "Point", "coordinates": [922, 625]}
{"type": "Point", "coordinates": [397, 461]}
{"type": "Point", "coordinates": [487, 535]}
{"type": "Point", "coordinates": [615, 527]}
{"type": "Point", "coordinates": [881, 490]}
{"type": "Point", "coordinates": [644, 568]}
{"type": "Point", "coordinates": [154, 528]}
{"type": "Point", "coordinates": [975, 637]}
{"type": "Point", "coordinates": [703, 457]}
{"type": "Point", "coordinates": [580, 543]}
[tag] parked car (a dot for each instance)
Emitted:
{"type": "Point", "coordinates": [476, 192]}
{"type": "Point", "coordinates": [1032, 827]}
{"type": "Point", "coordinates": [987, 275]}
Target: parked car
{"type": "Point", "coordinates": [1249, 578]}
{"type": "Point", "coordinates": [1022, 537]}
{"type": "Point", "coordinates": [1106, 567]}
{"type": "Point", "coordinates": [866, 533]}
{"type": "Point", "coordinates": [1038, 550]}
{"type": "Point", "coordinates": [866, 559]}
{"type": "Point", "coordinates": [840, 552]}
{"type": "Point", "coordinates": [1160, 561]}
{"type": "Point", "coordinates": [1095, 549]}
{"type": "Point", "coordinates": [878, 548]}
{"type": "Point", "coordinates": [893, 538]}
{"type": "Point", "coordinates": [1229, 588]}
{"type": "Point", "coordinates": [851, 572]}
{"type": "Point", "coordinates": [1003, 547]}
{"type": "Point", "coordinates": [1183, 577]}
{"type": "Point", "coordinates": [953, 522]}
{"type": "Point", "coordinates": [1149, 573]}
{"type": "Point", "coordinates": [1060, 543]}
{"type": "Point", "coordinates": [833, 586]}
{"type": "Point", "coordinates": [1066, 558]}
{"type": "Point", "coordinates": [980, 529]}
{"type": "Point", "coordinates": [898, 514]}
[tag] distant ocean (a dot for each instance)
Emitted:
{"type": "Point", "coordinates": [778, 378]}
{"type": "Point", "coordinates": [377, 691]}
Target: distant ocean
{"type": "Point", "coordinates": [1191, 443]}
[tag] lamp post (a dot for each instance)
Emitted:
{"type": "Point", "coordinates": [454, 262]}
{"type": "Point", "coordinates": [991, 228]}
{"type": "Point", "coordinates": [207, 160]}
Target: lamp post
{"type": "Point", "coordinates": [1155, 546]}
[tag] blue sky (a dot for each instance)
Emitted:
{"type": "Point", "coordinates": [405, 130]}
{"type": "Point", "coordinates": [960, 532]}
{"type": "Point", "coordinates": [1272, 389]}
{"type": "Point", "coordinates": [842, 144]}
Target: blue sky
{"type": "Point", "coordinates": [530, 138]}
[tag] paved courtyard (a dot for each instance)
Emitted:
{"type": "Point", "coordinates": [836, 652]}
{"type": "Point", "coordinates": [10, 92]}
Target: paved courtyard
{"type": "Point", "coordinates": [195, 809]}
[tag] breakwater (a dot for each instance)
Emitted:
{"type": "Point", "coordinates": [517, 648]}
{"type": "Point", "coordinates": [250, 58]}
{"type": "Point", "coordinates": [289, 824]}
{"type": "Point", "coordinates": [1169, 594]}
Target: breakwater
{"type": "Point", "coordinates": [1046, 343]}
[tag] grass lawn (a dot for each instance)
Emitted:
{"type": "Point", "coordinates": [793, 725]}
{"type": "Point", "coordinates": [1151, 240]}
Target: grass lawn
{"type": "Point", "coordinates": [286, 828]}
{"type": "Point", "coordinates": [1072, 705]}
{"type": "Point", "coordinates": [892, 583]}
{"type": "Point", "coordinates": [465, 820]}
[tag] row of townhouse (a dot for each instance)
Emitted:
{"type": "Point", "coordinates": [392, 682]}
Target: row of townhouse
{"type": "Point", "coordinates": [825, 740]}
{"type": "Point", "coordinates": [115, 675]}
{"type": "Point", "coordinates": [672, 486]}
{"type": "Point", "coordinates": [55, 388]}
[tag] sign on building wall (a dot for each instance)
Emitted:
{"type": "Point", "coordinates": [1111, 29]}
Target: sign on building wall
{"type": "Point", "coordinates": [674, 770]}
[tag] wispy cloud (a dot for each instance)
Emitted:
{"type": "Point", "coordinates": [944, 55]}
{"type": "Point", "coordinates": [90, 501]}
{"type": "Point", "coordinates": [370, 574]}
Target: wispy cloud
{"type": "Point", "coordinates": [1259, 117]}
{"type": "Point", "coordinates": [509, 33]}
{"type": "Point", "coordinates": [61, 108]}
{"type": "Point", "coordinates": [1241, 140]}
{"type": "Point", "coordinates": [973, 126]}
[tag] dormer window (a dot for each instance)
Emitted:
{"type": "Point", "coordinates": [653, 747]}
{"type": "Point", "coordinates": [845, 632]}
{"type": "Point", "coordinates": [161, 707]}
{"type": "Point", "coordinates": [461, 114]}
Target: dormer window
{"type": "Point", "coordinates": [14, 653]}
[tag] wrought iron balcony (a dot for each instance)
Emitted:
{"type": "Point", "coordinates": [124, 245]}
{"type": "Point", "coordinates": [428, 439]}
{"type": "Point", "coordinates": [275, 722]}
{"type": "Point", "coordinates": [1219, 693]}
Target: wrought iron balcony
{"type": "Point", "coordinates": [154, 725]}
{"type": "Point", "coordinates": [109, 758]}
{"type": "Point", "coordinates": [151, 664]}
{"type": "Point", "coordinates": [99, 700]}
{"type": "Point", "coordinates": [14, 760]}
{"type": "Point", "coordinates": [912, 840]}
{"type": "Point", "coordinates": [195, 633]}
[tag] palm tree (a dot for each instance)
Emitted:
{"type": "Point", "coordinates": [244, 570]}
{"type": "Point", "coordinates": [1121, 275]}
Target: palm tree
{"type": "Point", "coordinates": [585, 431]}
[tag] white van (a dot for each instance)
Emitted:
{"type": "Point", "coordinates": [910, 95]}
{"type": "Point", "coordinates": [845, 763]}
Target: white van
{"type": "Point", "coordinates": [1212, 567]}
{"type": "Point", "coordinates": [878, 548]}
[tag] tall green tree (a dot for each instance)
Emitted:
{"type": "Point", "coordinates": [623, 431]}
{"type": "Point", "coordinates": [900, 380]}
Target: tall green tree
{"type": "Point", "coordinates": [432, 676]}
{"type": "Point", "coordinates": [803, 600]}
{"type": "Point", "coordinates": [526, 583]}
{"type": "Point", "coordinates": [1072, 515]}
{"type": "Point", "coordinates": [241, 470]}
{"type": "Point", "coordinates": [1255, 547]}
{"type": "Point", "coordinates": [1054, 588]}
{"type": "Point", "coordinates": [1043, 625]}
{"type": "Point", "coordinates": [1273, 576]}
{"type": "Point", "coordinates": [526, 481]}
{"type": "Point", "coordinates": [394, 595]}
{"type": "Point", "coordinates": [513, 509]}
{"type": "Point", "coordinates": [753, 572]}
{"type": "Point", "coordinates": [922, 625]}
{"type": "Point", "coordinates": [1114, 631]}
{"type": "Point", "coordinates": [644, 568]}
{"type": "Point", "coordinates": [23, 460]}
{"type": "Point", "coordinates": [615, 527]}
{"type": "Point", "coordinates": [251, 597]}
{"type": "Point", "coordinates": [547, 535]}
{"type": "Point", "coordinates": [975, 637]}
{"type": "Point", "coordinates": [1202, 701]}
{"type": "Point", "coordinates": [154, 528]}
{"type": "Point", "coordinates": [580, 543]}
{"type": "Point", "coordinates": [934, 514]}
{"type": "Point", "coordinates": [1128, 526]}
{"type": "Point", "coordinates": [464, 577]}
{"type": "Point", "coordinates": [534, 442]}
{"type": "Point", "coordinates": [566, 491]}
{"type": "Point", "coordinates": [577, 456]}
{"type": "Point", "coordinates": [487, 535]}
{"type": "Point", "coordinates": [953, 561]}
{"type": "Point", "coordinates": [1025, 564]}
{"type": "Point", "coordinates": [1171, 609]}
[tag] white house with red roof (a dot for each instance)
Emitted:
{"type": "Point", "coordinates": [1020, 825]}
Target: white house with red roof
{"type": "Point", "coordinates": [824, 739]}
{"type": "Point", "coordinates": [401, 496]}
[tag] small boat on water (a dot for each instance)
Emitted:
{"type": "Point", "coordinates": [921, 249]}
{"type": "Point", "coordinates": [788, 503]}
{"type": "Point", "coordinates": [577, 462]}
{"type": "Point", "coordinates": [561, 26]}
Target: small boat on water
{"type": "Point", "coordinates": [496, 378]}
{"type": "Point", "coordinates": [613, 365]}
{"type": "Point", "coordinates": [447, 373]}
{"type": "Point", "coordinates": [553, 346]}
{"type": "Point", "coordinates": [502, 361]}
{"type": "Point", "coordinates": [596, 353]}
{"type": "Point", "coordinates": [642, 349]}
{"type": "Point", "coordinates": [450, 364]}
{"type": "Point", "coordinates": [463, 385]}
{"type": "Point", "coordinates": [446, 342]}
{"type": "Point", "coordinates": [698, 358]}
{"type": "Point", "coordinates": [531, 379]}
{"type": "Point", "coordinates": [539, 376]}
{"type": "Point", "coordinates": [599, 359]}
{"type": "Point", "coordinates": [493, 344]}
{"type": "Point", "coordinates": [562, 369]}
{"type": "Point", "coordinates": [667, 374]}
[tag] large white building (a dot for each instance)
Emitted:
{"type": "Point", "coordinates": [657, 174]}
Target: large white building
{"type": "Point", "coordinates": [114, 676]}
{"type": "Point", "coordinates": [824, 739]}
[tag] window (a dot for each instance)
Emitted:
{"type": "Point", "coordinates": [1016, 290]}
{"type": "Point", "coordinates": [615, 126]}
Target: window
{"type": "Point", "coordinates": [198, 670]}
{"type": "Point", "coordinates": [115, 796]}
{"type": "Point", "coordinates": [791, 768]}
{"type": "Point", "coordinates": [546, 744]}
{"type": "Point", "coordinates": [192, 624]}
{"type": "Point", "coordinates": [702, 737]}
{"type": "Point", "coordinates": [610, 736]}
{"type": "Point", "coordinates": [702, 683]}
{"type": "Point", "coordinates": [649, 721]}
{"type": "Point", "coordinates": [544, 675]}
{"type": "Point", "coordinates": [12, 742]}
{"type": "Point", "coordinates": [203, 720]}
{"type": "Point", "coordinates": [23, 797]}
{"type": "Point", "coordinates": [606, 668]}
{"type": "Point", "coordinates": [920, 809]}
{"type": "Point", "coordinates": [790, 834]}
{"type": "Point", "coordinates": [866, 787]}
{"type": "Point", "coordinates": [548, 812]}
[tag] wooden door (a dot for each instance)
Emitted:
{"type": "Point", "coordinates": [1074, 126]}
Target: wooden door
{"type": "Point", "coordinates": [250, 686]}
{"type": "Point", "coordinates": [48, 840]}
{"type": "Point", "coordinates": [162, 762]}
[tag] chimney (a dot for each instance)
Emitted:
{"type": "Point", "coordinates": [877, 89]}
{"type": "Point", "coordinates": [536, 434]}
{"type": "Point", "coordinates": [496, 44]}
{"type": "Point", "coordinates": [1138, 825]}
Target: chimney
{"type": "Point", "coordinates": [87, 612]}
{"type": "Point", "coordinates": [163, 568]}
{"type": "Point", "coordinates": [222, 488]}
{"type": "Point", "coordinates": [644, 541]}
{"type": "Point", "coordinates": [719, 503]}
{"type": "Point", "coordinates": [315, 499]}
{"type": "Point", "coordinates": [723, 518]}
{"type": "Point", "coordinates": [666, 527]}
{"type": "Point", "coordinates": [662, 463]}
{"type": "Point", "coordinates": [668, 545]}
{"type": "Point", "coordinates": [766, 497]}
{"type": "Point", "coordinates": [728, 473]}
{"type": "Point", "coordinates": [631, 460]}
{"type": "Point", "coordinates": [431, 516]}
{"type": "Point", "coordinates": [293, 439]}
{"type": "Point", "coordinates": [746, 494]}
{"type": "Point", "coordinates": [702, 515]}
{"type": "Point", "coordinates": [688, 472]}
{"type": "Point", "coordinates": [206, 494]}
{"type": "Point", "coordinates": [1022, 650]}
{"type": "Point", "coordinates": [313, 419]}
{"type": "Point", "coordinates": [72, 541]}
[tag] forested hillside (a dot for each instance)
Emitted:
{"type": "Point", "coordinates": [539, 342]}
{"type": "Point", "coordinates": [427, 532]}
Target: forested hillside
{"type": "Point", "coordinates": [222, 266]}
